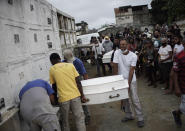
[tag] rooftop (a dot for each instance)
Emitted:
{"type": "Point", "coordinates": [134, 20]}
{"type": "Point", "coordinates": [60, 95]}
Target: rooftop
{"type": "Point", "coordinates": [129, 6]}
{"type": "Point", "coordinates": [64, 14]}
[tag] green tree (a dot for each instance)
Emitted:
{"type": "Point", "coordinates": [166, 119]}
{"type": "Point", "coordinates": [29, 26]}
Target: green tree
{"type": "Point", "coordinates": [159, 11]}
{"type": "Point", "coordinates": [176, 10]}
{"type": "Point", "coordinates": [167, 11]}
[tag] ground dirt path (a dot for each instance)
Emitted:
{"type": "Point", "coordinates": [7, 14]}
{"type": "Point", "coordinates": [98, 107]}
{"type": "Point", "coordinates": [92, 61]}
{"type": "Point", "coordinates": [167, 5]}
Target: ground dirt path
{"type": "Point", "coordinates": [156, 107]}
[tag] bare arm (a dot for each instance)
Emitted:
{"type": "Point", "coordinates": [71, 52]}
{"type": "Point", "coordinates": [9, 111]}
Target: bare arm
{"type": "Point", "coordinates": [177, 88]}
{"type": "Point", "coordinates": [52, 99]}
{"type": "Point", "coordinates": [79, 85]}
{"type": "Point", "coordinates": [85, 76]}
{"type": "Point", "coordinates": [159, 58]}
{"type": "Point", "coordinates": [131, 73]}
{"type": "Point", "coordinates": [115, 68]}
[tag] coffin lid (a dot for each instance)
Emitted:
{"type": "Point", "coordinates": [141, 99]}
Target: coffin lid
{"type": "Point", "coordinates": [107, 60]}
{"type": "Point", "coordinates": [102, 80]}
{"type": "Point", "coordinates": [105, 88]}
{"type": "Point", "coordinates": [108, 54]}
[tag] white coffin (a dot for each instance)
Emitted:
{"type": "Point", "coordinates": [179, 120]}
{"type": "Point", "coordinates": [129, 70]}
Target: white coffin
{"type": "Point", "coordinates": [107, 57]}
{"type": "Point", "coordinates": [105, 89]}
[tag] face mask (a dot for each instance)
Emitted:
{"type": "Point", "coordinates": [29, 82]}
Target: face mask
{"type": "Point", "coordinates": [124, 51]}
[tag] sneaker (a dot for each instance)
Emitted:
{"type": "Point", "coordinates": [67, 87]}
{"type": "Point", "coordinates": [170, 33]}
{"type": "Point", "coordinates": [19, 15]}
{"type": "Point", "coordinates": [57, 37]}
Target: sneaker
{"type": "Point", "coordinates": [177, 118]}
{"type": "Point", "coordinates": [126, 119]}
{"type": "Point", "coordinates": [140, 124]}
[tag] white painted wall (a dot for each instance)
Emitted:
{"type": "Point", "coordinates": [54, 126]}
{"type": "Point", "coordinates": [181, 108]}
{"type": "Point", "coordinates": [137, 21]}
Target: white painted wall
{"type": "Point", "coordinates": [27, 58]}
{"type": "Point", "coordinates": [125, 18]}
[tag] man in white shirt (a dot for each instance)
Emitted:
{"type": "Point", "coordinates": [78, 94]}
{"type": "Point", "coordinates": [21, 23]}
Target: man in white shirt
{"type": "Point", "coordinates": [124, 63]}
{"type": "Point", "coordinates": [165, 60]}
{"type": "Point", "coordinates": [98, 51]}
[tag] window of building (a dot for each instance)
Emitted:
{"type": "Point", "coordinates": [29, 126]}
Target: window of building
{"type": "Point", "coordinates": [50, 45]}
{"type": "Point", "coordinates": [31, 7]}
{"type": "Point", "coordinates": [35, 37]}
{"type": "Point", "coordinates": [40, 67]}
{"type": "Point", "coordinates": [49, 21]}
{"type": "Point", "coordinates": [21, 75]}
{"type": "Point", "coordinates": [16, 38]}
{"type": "Point", "coordinates": [48, 37]}
{"type": "Point", "coordinates": [10, 2]}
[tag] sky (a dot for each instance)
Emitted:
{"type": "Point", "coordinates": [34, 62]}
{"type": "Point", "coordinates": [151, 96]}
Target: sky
{"type": "Point", "coordinates": [95, 12]}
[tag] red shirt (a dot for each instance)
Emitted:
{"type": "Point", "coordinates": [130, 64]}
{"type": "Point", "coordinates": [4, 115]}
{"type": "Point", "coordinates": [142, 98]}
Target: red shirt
{"type": "Point", "coordinates": [179, 67]}
{"type": "Point", "coordinates": [132, 47]}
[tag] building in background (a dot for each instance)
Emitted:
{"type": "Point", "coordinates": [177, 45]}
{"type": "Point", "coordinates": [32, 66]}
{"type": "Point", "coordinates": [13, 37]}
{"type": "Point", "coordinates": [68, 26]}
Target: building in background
{"type": "Point", "coordinates": [81, 28]}
{"type": "Point", "coordinates": [136, 16]}
{"type": "Point", "coordinates": [30, 31]}
{"type": "Point", "coordinates": [67, 33]}
{"type": "Point", "coordinates": [110, 29]}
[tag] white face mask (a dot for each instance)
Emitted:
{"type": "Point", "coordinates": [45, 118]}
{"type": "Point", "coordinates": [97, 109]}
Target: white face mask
{"type": "Point", "coordinates": [124, 51]}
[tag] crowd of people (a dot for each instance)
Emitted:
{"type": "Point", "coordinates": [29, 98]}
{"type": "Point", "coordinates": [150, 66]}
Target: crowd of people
{"type": "Point", "coordinates": [155, 50]}
{"type": "Point", "coordinates": [160, 54]}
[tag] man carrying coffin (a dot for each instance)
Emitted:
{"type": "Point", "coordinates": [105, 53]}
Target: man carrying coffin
{"type": "Point", "coordinates": [124, 63]}
{"type": "Point", "coordinates": [78, 64]}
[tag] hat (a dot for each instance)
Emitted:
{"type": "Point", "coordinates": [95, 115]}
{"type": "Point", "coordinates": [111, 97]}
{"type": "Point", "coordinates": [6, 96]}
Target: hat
{"type": "Point", "coordinates": [106, 37]}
